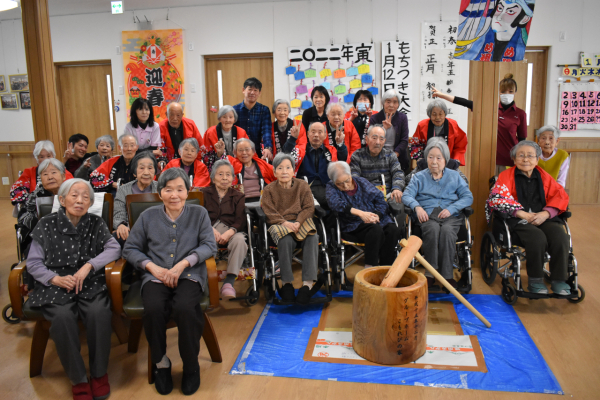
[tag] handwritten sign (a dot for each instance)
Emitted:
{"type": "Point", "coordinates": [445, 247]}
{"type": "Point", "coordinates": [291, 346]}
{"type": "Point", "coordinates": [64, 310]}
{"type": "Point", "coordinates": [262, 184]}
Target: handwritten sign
{"type": "Point", "coordinates": [367, 78]}
{"type": "Point", "coordinates": [349, 98]}
{"type": "Point", "coordinates": [310, 73]}
{"type": "Point", "coordinates": [396, 72]}
{"type": "Point", "coordinates": [352, 71]}
{"type": "Point", "coordinates": [339, 73]}
{"type": "Point", "coordinates": [355, 84]}
{"type": "Point", "coordinates": [301, 89]}
{"type": "Point", "coordinates": [295, 103]}
{"type": "Point", "coordinates": [364, 69]}
{"type": "Point", "coordinates": [306, 104]}
{"type": "Point", "coordinates": [290, 70]}
{"type": "Point", "coordinates": [325, 73]}
{"type": "Point", "coordinates": [340, 89]}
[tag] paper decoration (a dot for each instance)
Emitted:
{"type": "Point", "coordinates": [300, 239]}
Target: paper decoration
{"type": "Point", "coordinates": [339, 73]}
{"type": "Point", "coordinates": [367, 78]}
{"type": "Point", "coordinates": [310, 73]}
{"type": "Point", "coordinates": [298, 117]}
{"type": "Point", "coordinates": [334, 99]}
{"type": "Point", "coordinates": [301, 89]}
{"type": "Point", "coordinates": [578, 72]}
{"type": "Point", "coordinates": [579, 106]}
{"type": "Point", "coordinates": [364, 69]}
{"type": "Point", "coordinates": [295, 103]}
{"type": "Point", "coordinates": [396, 72]}
{"type": "Point", "coordinates": [299, 75]}
{"type": "Point", "coordinates": [153, 62]}
{"type": "Point", "coordinates": [374, 91]}
{"type": "Point", "coordinates": [355, 84]}
{"type": "Point", "coordinates": [588, 61]}
{"type": "Point", "coordinates": [480, 32]}
{"type": "Point", "coordinates": [306, 104]}
{"type": "Point", "coordinates": [352, 71]}
{"type": "Point", "coordinates": [349, 98]}
{"type": "Point", "coordinates": [290, 70]}
{"type": "Point", "coordinates": [330, 63]}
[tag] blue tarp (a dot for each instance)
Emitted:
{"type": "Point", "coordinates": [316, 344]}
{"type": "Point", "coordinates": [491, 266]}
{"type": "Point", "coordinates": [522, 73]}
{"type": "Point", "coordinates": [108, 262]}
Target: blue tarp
{"type": "Point", "coordinates": [278, 342]}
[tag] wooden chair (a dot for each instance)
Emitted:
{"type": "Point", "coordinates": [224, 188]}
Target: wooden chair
{"type": "Point", "coordinates": [22, 309]}
{"type": "Point", "coordinates": [131, 306]}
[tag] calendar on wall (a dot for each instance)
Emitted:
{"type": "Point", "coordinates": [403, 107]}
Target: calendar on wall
{"type": "Point", "coordinates": [579, 106]}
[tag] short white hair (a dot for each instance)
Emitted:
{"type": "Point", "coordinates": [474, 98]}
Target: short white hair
{"type": "Point", "coordinates": [191, 141]}
{"type": "Point", "coordinates": [336, 168]}
{"type": "Point", "coordinates": [107, 139]}
{"type": "Point", "coordinates": [331, 105]}
{"type": "Point", "coordinates": [242, 140]}
{"type": "Point", "coordinates": [52, 161]}
{"type": "Point", "coordinates": [436, 103]}
{"type": "Point", "coordinates": [44, 145]}
{"type": "Point", "coordinates": [555, 131]}
{"type": "Point", "coordinates": [171, 104]}
{"type": "Point", "coordinates": [281, 101]}
{"type": "Point", "coordinates": [224, 110]}
{"type": "Point", "coordinates": [123, 136]}
{"type": "Point", "coordinates": [391, 93]}
{"type": "Point", "coordinates": [65, 188]}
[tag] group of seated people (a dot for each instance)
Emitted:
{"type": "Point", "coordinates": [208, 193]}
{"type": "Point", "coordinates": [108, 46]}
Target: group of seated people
{"type": "Point", "coordinates": [352, 165]}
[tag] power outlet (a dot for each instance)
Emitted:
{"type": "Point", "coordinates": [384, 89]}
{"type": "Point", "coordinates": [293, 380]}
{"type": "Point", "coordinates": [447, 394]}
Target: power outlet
{"type": "Point", "coordinates": [5, 180]}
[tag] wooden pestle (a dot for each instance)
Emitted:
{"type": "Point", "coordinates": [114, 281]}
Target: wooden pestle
{"type": "Point", "coordinates": [404, 259]}
{"type": "Point", "coordinates": [440, 278]}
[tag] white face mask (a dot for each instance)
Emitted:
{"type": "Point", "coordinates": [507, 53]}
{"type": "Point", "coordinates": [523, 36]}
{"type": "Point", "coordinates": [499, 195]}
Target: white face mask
{"type": "Point", "coordinates": [506, 99]}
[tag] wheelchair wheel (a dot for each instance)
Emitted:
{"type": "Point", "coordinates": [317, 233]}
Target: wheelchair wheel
{"type": "Point", "coordinates": [509, 293]}
{"type": "Point", "coordinates": [269, 295]}
{"type": "Point", "coordinates": [581, 293]}
{"type": "Point", "coordinates": [253, 296]}
{"type": "Point", "coordinates": [488, 258]}
{"type": "Point", "coordinates": [8, 316]}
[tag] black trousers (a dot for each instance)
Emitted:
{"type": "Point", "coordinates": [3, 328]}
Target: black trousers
{"type": "Point", "coordinates": [550, 235]}
{"type": "Point", "coordinates": [380, 242]}
{"type": "Point", "coordinates": [183, 305]}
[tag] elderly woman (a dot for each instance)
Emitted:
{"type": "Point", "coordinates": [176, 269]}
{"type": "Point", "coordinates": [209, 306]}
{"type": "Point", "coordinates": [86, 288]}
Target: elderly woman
{"type": "Point", "coordinates": [219, 139]}
{"type": "Point", "coordinates": [361, 113]}
{"type": "Point", "coordinates": [170, 244]}
{"type": "Point", "coordinates": [437, 195]}
{"type": "Point", "coordinates": [289, 206]}
{"type": "Point", "coordinates": [533, 200]}
{"type": "Point", "coordinates": [251, 168]}
{"type": "Point", "coordinates": [71, 284]}
{"type": "Point", "coordinates": [320, 100]}
{"type": "Point", "coordinates": [52, 175]}
{"type": "Point", "coordinates": [395, 124]}
{"type": "Point", "coordinates": [105, 146]}
{"type": "Point", "coordinates": [336, 123]}
{"type": "Point", "coordinates": [225, 207]}
{"type": "Point", "coordinates": [143, 127]}
{"type": "Point", "coordinates": [144, 167]}
{"type": "Point", "coordinates": [437, 125]}
{"type": "Point", "coordinates": [284, 127]}
{"type": "Point", "coordinates": [194, 168]}
{"type": "Point", "coordinates": [363, 214]}
{"type": "Point", "coordinates": [30, 178]}
{"type": "Point", "coordinates": [553, 160]}
{"type": "Point", "coordinates": [116, 170]}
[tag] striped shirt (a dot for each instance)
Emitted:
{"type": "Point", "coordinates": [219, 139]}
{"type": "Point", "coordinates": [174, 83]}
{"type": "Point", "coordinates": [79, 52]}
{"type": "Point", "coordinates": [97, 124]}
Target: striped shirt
{"type": "Point", "coordinates": [371, 168]}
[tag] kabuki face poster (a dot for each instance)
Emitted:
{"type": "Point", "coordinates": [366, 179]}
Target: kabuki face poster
{"type": "Point", "coordinates": [153, 63]}
{"type": "Point", "coordinates": [493, 30]}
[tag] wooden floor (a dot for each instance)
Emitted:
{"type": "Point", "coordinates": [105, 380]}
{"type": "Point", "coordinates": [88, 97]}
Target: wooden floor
{"type": "Point", "coordinates": [568, 336]}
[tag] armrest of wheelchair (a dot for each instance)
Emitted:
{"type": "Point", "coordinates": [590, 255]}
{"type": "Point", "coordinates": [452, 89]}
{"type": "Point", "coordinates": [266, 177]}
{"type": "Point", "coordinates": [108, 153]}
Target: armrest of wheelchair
{"type": "Point", "coordinates": [14, 289]}
{"type": "Point", "coordinates": [320, 212]}
{"type": "Point", "coordinates": [258, 212]}
{"type": "Point", "coordinates": [408, 210]}
{"type": "Point", "coordinates": [565, 215]}
{"type": "Point", "coordinates": [468, 211]}
{"type": "Point", "coordinates": [396, 208]}
{"type": "Point", "coordinates": [501, 215]}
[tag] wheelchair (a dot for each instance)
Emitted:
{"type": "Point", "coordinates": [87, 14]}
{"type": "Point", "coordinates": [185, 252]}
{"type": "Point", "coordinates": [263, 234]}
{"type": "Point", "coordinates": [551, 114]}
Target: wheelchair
{"type": "Point", "coordinates": [341, 242]}
{"type": "Point", "coordinates": [462, 258]}
{"type": "Point", "coordinates": [499, 244]}
{"type": "Point", "coordinates": [269, 272]}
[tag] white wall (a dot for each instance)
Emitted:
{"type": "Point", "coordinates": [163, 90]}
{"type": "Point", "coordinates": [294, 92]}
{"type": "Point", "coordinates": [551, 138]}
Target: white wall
{"type": "Point", "coordinates": [272, 27]}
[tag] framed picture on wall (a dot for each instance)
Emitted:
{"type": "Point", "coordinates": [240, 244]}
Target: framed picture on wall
{"type": "Point", "coordinates": [19, 83]}
{"type": "Point", "coordinates": [2, 84]}
{"type": "Point", "coordinates": [9, 101]}
{"type": "Point", "coordinates": [25, 101]}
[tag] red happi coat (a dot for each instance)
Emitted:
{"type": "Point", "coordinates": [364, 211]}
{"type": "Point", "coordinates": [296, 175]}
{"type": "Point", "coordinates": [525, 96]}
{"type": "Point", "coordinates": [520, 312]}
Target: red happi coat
{"type": "Point", "coordinates": [27, 182]}
{"type": "Point", "coordinates": [190, 130]}
{"type": "Point", "coordinates": [201, 176]}
{"type": "Point", "coordinates": [265, 168]}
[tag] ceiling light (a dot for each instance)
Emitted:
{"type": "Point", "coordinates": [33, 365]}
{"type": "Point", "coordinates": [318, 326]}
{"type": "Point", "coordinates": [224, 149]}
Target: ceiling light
{"type": "Point", "coordinates": [8, 5]}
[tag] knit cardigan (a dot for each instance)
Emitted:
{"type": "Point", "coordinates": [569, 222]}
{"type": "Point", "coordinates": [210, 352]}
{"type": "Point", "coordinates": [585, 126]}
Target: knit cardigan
{"type": "Point", "coordinates": [156, 238]}
{"type": "Point", "coordinates": [293, 204]}
{"type": "Point", "coordinates": [120, 207]}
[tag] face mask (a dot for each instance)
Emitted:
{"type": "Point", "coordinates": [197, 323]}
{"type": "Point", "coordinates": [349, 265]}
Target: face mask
{"type": "Point", "coordinates": [362, 107]}
{"type": "Point", "coordinates": [506, 99]}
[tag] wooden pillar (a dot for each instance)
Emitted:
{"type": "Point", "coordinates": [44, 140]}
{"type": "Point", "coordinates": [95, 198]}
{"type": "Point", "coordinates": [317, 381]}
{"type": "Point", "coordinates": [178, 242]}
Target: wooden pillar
{"type": "Point", "coordinates": [483, 125]}
{"type": "Point", "coordinates": [40, 70]}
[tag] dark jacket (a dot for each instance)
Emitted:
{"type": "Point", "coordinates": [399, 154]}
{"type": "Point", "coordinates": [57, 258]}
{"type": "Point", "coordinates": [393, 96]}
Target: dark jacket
{"type": "Point", "coordinates": [400, 124]}
{"type": "Point", "coordinates": [229, 211]}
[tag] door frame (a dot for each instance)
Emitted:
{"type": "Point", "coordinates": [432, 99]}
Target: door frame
{"type": "Point", "coordinates": [67, 64]}
{"type": "Point", "coordinates": [545, 50]}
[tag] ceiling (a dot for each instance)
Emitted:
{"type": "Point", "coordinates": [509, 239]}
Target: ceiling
{"type": "Point", "coordinates": [70, 7]}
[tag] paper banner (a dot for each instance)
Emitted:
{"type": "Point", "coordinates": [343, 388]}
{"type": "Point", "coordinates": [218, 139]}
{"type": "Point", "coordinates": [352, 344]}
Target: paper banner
{"type": "Point", "coordinates": [396, 72]}
{"type": "Point", "coordinates": [154, 69]}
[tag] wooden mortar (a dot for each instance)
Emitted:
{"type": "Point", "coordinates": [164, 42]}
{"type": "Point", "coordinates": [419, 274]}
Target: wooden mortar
{"type": "Point", "coordinates": [389, 325]}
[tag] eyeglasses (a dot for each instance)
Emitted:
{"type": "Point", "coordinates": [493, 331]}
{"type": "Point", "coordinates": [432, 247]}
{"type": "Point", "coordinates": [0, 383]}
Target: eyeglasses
{"type": "Point", "coordinates": [526, 156]}
{"type": "Point", "coordinates": [245, 150]}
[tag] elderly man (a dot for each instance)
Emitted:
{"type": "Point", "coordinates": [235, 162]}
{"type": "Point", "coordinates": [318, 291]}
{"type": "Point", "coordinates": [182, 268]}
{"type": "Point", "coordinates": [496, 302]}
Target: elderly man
{"type": "Point", "coordinates": [373, 161]}
{"type": "Point", "coordinates": [336, 122]}
{"type": "Point", "coordinates": [255, 119]}
{"type": "Point", "coordinates": [175, 129]}
{"type": "Point", "coordinates": [313, 158]}
{"type": "Point", "coordinates": [395, 124]}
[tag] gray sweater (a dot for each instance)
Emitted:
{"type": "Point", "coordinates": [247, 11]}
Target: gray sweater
{"type": "Point", "coordinates": [155, 237]}
{"type": "Point", "coordinates": [120, 208]}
